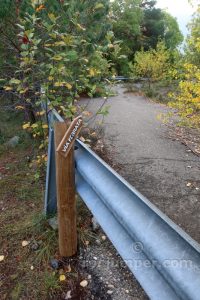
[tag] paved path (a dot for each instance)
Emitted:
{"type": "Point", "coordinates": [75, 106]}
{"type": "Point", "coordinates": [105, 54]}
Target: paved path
{"type": "Point", "coordinates": [157, 166]}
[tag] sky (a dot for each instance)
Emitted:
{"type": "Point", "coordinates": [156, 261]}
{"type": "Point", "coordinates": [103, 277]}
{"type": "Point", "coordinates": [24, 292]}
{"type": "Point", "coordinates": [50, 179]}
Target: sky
{"type": "Point", "coordinates": [180, 9]}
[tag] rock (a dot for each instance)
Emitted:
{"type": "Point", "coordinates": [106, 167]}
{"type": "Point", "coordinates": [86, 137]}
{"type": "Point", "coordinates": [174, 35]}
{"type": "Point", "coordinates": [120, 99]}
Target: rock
{"type": "Point", "coordinates": [103, 237]}
{"type": "Point", "coordinates": [54, 263]}
{"type": "Point", "coordinates": [85, 132]}
{"type": "Point", "coordinates": [53, 223]}
{"type": "Point", "coordinates": [111, 286]}
{"type": "Point", "coordinates": [25, 243]}
{"type": "Point", "coordinates": [68, 295]}
{"type": "Point", "coordinates": [95, 225]}
{"type": "Point", "coordinates": [13, 142]}
{"type": "Point", "coordinates": [84, 283]}
{"type": "Point", "coordinates": [109, 292]}
{"type": "Point", "coordinates": [2, 257]}
{"type": "Point", "coordinates": [34, 246]}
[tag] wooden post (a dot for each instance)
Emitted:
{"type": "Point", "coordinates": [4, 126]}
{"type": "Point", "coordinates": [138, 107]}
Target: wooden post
{"type": "Point", "coordinates": [66, 205]}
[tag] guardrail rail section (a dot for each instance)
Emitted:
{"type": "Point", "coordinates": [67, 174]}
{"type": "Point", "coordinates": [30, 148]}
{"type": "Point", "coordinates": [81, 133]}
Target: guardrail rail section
{"type": "Point", "coordinates": [163, 258]}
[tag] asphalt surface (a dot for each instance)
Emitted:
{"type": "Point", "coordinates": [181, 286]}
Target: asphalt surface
{"type": "Point", "coordinates": [162, 169]}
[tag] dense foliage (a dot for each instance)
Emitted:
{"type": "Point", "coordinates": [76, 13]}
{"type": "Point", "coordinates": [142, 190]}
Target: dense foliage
{"type": "Point", "coordinates": [152, 64]}
{"type": "Point", "coordinates": [187, 98]}
{"type": "Point", "coordinates": [61, 53]}
{"type": "Point", "coordinates": [58, 49]}
{"type": "Point", "coordinates": [139, 24]}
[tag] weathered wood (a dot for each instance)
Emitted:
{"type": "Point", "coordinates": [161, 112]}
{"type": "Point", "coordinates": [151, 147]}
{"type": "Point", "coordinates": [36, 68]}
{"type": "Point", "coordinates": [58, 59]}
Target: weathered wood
{"type": "Point", "coordinates": [65, 182]}
{"type": "Point", "coordinates": [69, 138]}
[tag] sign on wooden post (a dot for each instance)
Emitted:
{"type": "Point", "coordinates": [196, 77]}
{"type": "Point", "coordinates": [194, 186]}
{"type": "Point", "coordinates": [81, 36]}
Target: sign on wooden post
{"type": "Point", "coordinates": [70, 136]}
{"type": "Point", "coordinates": [65, 182]}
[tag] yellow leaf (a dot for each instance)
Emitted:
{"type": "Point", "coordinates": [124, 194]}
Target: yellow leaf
{"type": "Point", "coordinates": [92, 72]}
{"type": "Point", "coordinates": [35, 125]}
{"type": "Point", "coordinates": [7, 88]}
{"type": "Point", "coordinates": [69, 86]}
{"type": "Point", "coordinates": [19, 107]}
{"type": "Point", "coordinates": [62, 277]}
{"type": "Point", "coordinates": [81, 27]}
{"type": "Point", "coordinates": [57, 57]}
{"type": "Point", "coordinates": [23, 91]}
{"type": "Point", "coordinates": [60, 43]}
{"type": "Point", "coordinates": [40, 113]}
{"type": "Point", "coordinates": [25, 126]}
{"type": "Point", "coordinates": [45, 126]}
{"type": "Point", "coordinates": [50, 78]}
{"type": "Point", "coordinates": [58, 84]}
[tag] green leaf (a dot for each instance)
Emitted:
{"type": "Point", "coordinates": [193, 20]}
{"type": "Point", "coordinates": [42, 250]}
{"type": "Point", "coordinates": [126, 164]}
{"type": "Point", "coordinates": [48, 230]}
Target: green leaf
{"type": "Point", "coordinates": [99, 6]}
{"type": "Point", "coordinates": [15, 81]}
{"type": "Point", "coordinates": [104, 111]}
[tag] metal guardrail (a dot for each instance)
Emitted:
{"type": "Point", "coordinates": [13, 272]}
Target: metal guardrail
{"type": "Point", "coordinates": [163, 258]}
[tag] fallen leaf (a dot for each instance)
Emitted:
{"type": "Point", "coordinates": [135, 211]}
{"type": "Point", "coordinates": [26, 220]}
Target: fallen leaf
{"type": "Point", "coordinates": [68, 269]}
{"type": "Point", "coordinates": [82, 139]}
{"type": "Point", "coordinates": [87, 113]}
{"type": "Point", "coordinates": [84, 283]}
{"type": "Point", "coordinates": [25, 243]}
{"type": "Point", "coordinates": [62, 277]}
{"type": "Point", "coordinates": [2, 257]}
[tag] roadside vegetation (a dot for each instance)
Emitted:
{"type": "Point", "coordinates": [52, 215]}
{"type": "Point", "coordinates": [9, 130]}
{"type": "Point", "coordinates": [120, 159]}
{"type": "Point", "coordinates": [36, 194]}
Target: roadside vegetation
{"type": "Point", "coordinates": [28, 244]}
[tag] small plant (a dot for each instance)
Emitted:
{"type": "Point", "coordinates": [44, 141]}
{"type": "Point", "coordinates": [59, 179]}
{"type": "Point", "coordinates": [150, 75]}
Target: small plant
{"type": "Point", "coordinates": [51, 283]}
{"type": "Point", "coordinates": [152, 64]}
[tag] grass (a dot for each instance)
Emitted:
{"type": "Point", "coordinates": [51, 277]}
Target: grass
{"type": "Point", "coordinates": [25, 272]}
